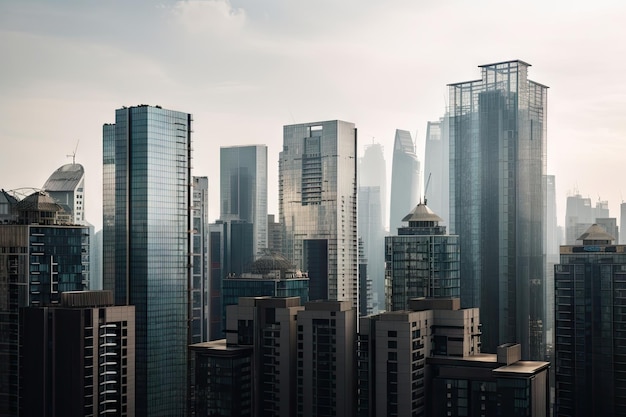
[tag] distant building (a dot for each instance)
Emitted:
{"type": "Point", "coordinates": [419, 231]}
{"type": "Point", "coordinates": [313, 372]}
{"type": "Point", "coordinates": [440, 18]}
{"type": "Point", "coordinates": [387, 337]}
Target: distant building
{"type": "Point", "coordinates": [318, 206]}
{"type": "Point", "coordinates": [622, 222]}
{"type": "Point", "coordinates": [40, 259]}
{"type": "Point", "coordinates": [372, 234]}
{"type": "Point", "coordinates": [243, 189]}
{"type": "Point", "coordinates": [146, 241]}
{"type": "Point", "coordinates": [66, 186]}
{"type": "Point", "coordinates": [199, 288]}
{"type": "Point", "coordinates": [274, 234]}
{"type": "Point", "coordinates": [610, 225]}
{"type": "Point", "coordinates": [7, 208]}
{"type": "Point", "coordinates": [590, 289]}
{"type": "Point", "coordinates": [498, 201]}
{"type": "Point", "coordinates": [366, 299]}
{"type": "Point", "coordinates": [372, 172]}
{"type": "Point", "coordinates": [78, 357]}
{"type": "Point", "coordinates": [421, 261]}
{"type": "Point", "coordinates": [405, 179]}
{"type": "Point", "coordinates": [437, 168]}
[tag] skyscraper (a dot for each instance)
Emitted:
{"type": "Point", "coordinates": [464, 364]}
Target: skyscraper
{"type": "Point", "coordinates": [317, 205]}
{"type": "Point", "coordinates": [372, 234]}
{"type": "Point", "coordinates": [199, 290]}
{"type": "Point", "coordinates": [590, 353]}
{"type": "Point", "coordinates": [421, 261]}
{"type": "Point", "coordinates": [147, 180]}
{"type": "Point", "coordinates": [405, 180]}
{"type": "Point", "coordinates": [498, 201]}
{"type": "Point", "coordinates": [437, 168]}
{"type": "Point", "coordinates": [243, 189]}
{"type": "Point", "coordinates": [373, 173]}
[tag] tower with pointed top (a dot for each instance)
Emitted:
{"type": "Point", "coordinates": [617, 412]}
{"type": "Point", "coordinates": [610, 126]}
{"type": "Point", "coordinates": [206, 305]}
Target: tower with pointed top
{"type": "Point", "coordinates": [405, 184]}
{"type": "Point", "coordinates": [421, 261]}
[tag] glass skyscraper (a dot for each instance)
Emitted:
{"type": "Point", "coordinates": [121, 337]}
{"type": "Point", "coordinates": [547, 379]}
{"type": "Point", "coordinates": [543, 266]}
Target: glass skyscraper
{"type": "Point", "coordinates": [498, 201]}
{"type": "Point", "coordinates": [317, 206]}
{"type": "Point", "coordinates": [437, 167]}
{"type": "Point", "coordinates": [146, 216]}
{"type": "Point", "coordinates": [199, 290]}
{"type": "Point", "coordinates": [405, 180]}
{"type": "Point", "coordinates": [243, 189]}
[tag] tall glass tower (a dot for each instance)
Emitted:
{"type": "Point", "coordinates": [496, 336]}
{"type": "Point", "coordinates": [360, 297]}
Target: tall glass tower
{"type": "Point", "coordinates": [146, 217]}
{"type": "Point", "coordinates": [437, 167]}
{"type": "Point", "coordinates": [405, 185]}
{"type": "Point", "coordinates": [243, 189]}
{"type": "Point", "coordinates": [317, 206]}
{"type": "Point", "coordinates": [498, 201]}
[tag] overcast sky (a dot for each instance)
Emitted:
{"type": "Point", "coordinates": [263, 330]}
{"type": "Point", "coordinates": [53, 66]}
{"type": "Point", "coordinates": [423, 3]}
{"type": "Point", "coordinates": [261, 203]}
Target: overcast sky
{"type": "Point", "coordinates": [245, 68]}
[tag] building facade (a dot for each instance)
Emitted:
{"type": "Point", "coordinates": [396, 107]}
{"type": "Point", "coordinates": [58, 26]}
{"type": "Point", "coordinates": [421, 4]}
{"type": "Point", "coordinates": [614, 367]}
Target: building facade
{"type": "Point", "coordinates": [317, 204]}
{"type": "Point", "coordinates": [243, 189]}
{"type": "Point", "coordinates": [66, 186]}
{"type": "Point", "coordinates": [405, 179]}
{"type": "Point", "coordinates": [146, 226]}
{"type": "Point", "coordinates": [78, 357]}
{"type": "Point", "coordinates": [437, 167]}
{"type": "Point", "coordinates": [199, 289]}
{"type": "Point", "coordinates": [372, 234]}
{"type": "Point", "coordinates": [590, 291]}
{"type": "Point", "coordinates": [498, 201]}
{"type": "Point", "coordinates": [421, 261]}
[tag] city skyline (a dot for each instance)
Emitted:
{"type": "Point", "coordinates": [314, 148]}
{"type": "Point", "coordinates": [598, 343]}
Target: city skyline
{"type": "Point", "coordinates": [382, 77]}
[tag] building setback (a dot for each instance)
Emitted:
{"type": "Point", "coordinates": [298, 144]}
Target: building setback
{"type": "Point", "coordinates": [317, 205]}
{"type": "Point", "coordinates": [498, 201]}
{"type": "Point", "coordinates": [146, 225]}
{"type": "Point", "coordinates": [78, 357]}
{"type": "Point", "coordinates": [590, 349]}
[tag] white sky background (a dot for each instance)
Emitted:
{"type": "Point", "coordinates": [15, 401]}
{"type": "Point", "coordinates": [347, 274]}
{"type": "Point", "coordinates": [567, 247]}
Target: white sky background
{"type": "Point", "coordinates": [245, 68]}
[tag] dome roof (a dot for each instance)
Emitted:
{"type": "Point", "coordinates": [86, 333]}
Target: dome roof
{"type": "Point", "coordinates": [271, 261]}
{"type": "Point", "coordinates": [421, 213]}
{"type": "Point", "coordinates": [65, 178]}
{"type": "Point", "coordinates": [38, 201]}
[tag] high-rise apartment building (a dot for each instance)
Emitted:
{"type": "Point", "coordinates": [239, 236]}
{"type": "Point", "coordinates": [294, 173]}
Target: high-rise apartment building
{"type": "Point", "coordinates": [372, 234]}
{"type": "Point", "coordinates": [498, 201]}
{"type": "Point", "coordinates": [66, 186]}
{"type": "Point", "coordinates": [199, 285]}
{"type": "Point", "coordinates": [437, 167]}
{"type": "Point", "coordinates": [147, 221]}
{"type": "Point", "coordinates": [40, 259]}
{"type": "Point", "coordinates": [78, 357]}
{"type": "Point", "coordinates": [421, 261]}
{"type": "Point", "coordinates": [317, 204]}
{"type": "Point", "coordinates": [405, 179]}
{"type": "Point", "coordinates": [243, 189]}
{"type": "Point", "coordinates": [590, 353]}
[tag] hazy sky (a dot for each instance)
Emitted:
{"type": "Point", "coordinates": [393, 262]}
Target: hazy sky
{"type": "Point", "coordinates": [245, 68]}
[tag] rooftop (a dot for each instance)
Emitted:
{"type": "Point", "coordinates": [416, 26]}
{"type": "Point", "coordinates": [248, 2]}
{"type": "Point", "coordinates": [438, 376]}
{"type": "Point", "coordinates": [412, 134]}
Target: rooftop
{"type": "Point", "coordinates": [65, 178]}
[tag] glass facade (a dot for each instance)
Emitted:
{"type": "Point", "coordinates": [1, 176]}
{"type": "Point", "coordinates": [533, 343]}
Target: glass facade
{"type": "Point", "coordinates": [148, 231]}
{"type": "Point", "coordinates": [590, 330]}
{"type": "Point", "coordinates": [372, 234]}
{"type": "Point", "coordinates": [317, 206]}
{"type": "Point", "coordinates": [405, 181]}
{"type": "Point", "coordinates": [437, 167]}
{"type": "Point", "coordinates": [199, 291]}
{"type": "Point", "coordinates": [243, 189]}
{"type": "Point", "coordinates": [498, 201]}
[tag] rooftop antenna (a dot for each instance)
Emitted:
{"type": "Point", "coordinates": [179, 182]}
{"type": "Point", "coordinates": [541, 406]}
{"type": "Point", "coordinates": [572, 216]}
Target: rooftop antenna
{"type": "Point", "coordinates": [426, 188]}
{"type": "Point", "coordinates": [73, 155]}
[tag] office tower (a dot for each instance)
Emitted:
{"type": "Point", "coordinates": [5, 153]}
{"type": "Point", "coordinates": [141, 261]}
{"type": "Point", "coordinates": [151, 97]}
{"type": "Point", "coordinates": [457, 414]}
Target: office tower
{"type": "Point", "coordinates": [230, 254]}
{"type": "Point", "coordinates": [317, 203]}
{"type": "Point", "coordinates": [393, 347]}
{"type": "Point", "coordinates": [622, 222]}
{"type": "Point", "coordinates": [601, 210]}
{"type": "Point", "coordinates": [497, 384]}
{"type": "Point", "coordinates": [421, 261]}
{"type": "Point", "coordinates": [552, 258]}
{"type": "Point", "coordinates": [274, 234]}
{"type": "Point", "coordinates": [437, 168]}
{"type": "Point", "coordinates": [609, 224]}
{"type": "Point", "coordinates": [146, 225]}
{"type": "Point", "coordinates": [95, 258]}
{"type": "Point", "coordinates": [405, 179]}
{"type": "Point", "coordinates": [372, 233]}
{"type": "Point", "coordinates": [199, 290]}
{"type": "Point", "coordinates": [268, 325]}
{"type": "Point", "coordinates": [40, 258]}
{"type": "Point", "coordinates": [7, 207]}
{"type": "Point", "coordinates": [222, 379]}
{"type": "Point", "coordinates": [66, 186]}
{"type": "Point", "coordinates": [78, 357]}
{"type": "Point", "coordinates": [326, 380]}
{"type": "Point", "coordinates": [498, 201]}
{"type": "Point", "coordinates": [373, 173]}
{"type": "Point", "coordinates": [578, 217]}
{"type": "Point", "coordinates": [243, 189]}
{"type": "Point", "coordinates": [590, 287]}
{"type": "Point", "coordinates": [366, 303]}
{"type": "Point", "coordinates": [271, 275]}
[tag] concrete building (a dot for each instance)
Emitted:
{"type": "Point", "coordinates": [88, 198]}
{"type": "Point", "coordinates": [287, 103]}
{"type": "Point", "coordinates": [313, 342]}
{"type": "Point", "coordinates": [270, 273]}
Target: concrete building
{"type": "Point", "coordinates": [40, 259]}
{"type": "Point", "coordinates": [498, 201]}
{"type": "Point", "coordinates": [146, 239]}
{"type": "Point", "coordinates": [421, 261]}
{"type": "Point", "coordinates": [590, 290]}
{"type": "Point", "coordinates": [327, 379]}
{"type": "Point", "coordinates": [243, 189]}
{"type": "Point", "coordinates": [77, 357]}
{"type": "Point", "coordinates": [405, 179]}
{"type": "Point", "coordinates": [318, 206]}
